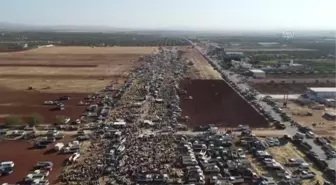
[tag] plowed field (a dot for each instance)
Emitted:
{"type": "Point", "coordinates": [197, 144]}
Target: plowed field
{"type": "Point", "coordinates": [57, 71]}
{"type": "Point", "coordinates": [215, 102]}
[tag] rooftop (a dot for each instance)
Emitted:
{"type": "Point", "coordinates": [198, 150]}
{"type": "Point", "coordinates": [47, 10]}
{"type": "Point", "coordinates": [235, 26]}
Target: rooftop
{"type": "Point", "coordinates": [323, 89]}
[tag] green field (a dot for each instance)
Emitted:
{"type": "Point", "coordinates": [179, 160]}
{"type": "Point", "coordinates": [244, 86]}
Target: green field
{"type": "Point", "coordinates": [321, 65]}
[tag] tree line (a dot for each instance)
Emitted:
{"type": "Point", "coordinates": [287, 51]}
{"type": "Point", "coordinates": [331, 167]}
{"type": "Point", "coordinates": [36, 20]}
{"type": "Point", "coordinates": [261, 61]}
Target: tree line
{"type": "Point", "coordinates": [32, 120]}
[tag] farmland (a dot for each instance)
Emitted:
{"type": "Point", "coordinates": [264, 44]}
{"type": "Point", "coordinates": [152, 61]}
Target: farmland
{"type": "Point", "coordinates": [215, 102]}
{"type": "Point", "coordinates": [61, 71]}
{"type": "Point", "coordinates": [12, 41]}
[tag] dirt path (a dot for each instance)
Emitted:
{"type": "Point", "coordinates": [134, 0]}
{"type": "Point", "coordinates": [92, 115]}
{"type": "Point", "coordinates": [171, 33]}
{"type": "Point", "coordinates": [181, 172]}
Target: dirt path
{"type": "Point", "coordinates": [201, 68]}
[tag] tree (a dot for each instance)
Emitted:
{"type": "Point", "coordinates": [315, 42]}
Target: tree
{"type": "Point", "coordinates": [34, 119]}
{"type": "Point", "coordinates": [13, 120]}
{"type": "Point", "coordinates": [60, 120]}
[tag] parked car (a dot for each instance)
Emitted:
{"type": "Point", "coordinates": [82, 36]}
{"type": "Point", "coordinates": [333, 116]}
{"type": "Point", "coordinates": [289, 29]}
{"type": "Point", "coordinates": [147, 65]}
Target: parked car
{"type": "Point", "coordinates": [41, 145]}
{"type": "Point", "coordinates": [33, 177]}
{"type": "Point", "coordinates": [64, 98]}
{"type": "Point", "coordinates": [7, 164]}
{"type": "Point", "coordinates": [5, 170]}
{"type": "Point", "coordinates": [310, 134]}
{"type": "Point", "coordinates": [46, 165]}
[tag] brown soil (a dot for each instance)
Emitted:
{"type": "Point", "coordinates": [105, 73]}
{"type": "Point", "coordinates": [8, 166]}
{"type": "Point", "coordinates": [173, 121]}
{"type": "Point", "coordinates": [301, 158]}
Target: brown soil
{"type": "Point", "coordinates": [46, 65]}
{"type": "Point", "coordinates": [25, 158]}
{"type": "Point", "coordinates": [215, 102]}
{"type": "Point", "coordinates": [62, 76]}
{"type": "Point", "coordinates": [323, 127]}
{"type": "Point", "coordinates": [62, 63]}
{"type": "Point", "coordinates": [279, 88]}
{"type": "Point", "coordinates": [200, 69]}
{"type": "Point", "coordinates": [24, 103]}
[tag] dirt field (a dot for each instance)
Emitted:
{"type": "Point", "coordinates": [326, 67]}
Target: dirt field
{"type": "Point", "coordinates": [56, 71]}
{"type": "Point", "coordinates": [24, 103]}
{"type": "Point", "coordinates": [214, 102]}
{"type": "Point", "coordinates": [328, 128]}
{"type": "Point", "coordinates": [68, 63]}
{"type": "Point", "coordinates": [290, 88]}
{"type": "Point", "coordinates": [25, 158]}
{"type": "Point", "coordinates": [201, 68]}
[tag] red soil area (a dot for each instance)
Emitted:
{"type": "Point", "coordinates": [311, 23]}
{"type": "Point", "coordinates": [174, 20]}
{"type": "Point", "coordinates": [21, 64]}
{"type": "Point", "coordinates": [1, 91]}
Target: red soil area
{"type": "Point", "coordinates": [24, 103]}
{"type": "Point", "coordinates": [215, 102]}
{"type": "Point", "coordinates": [25, 158]}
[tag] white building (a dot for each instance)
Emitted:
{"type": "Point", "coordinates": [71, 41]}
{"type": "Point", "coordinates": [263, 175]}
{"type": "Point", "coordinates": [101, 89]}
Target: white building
{"type": "Point", "coordinates": [320, 93]}
{"type": "Point", "coordinates": [257, 73]}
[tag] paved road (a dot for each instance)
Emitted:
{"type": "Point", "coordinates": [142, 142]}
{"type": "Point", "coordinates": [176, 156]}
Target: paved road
{"type": "Point", "coordinates": [281, 96]}
{"type": "Point", "coordinates": [290, 130]}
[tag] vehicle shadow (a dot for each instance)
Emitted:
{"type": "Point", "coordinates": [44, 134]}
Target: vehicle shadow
{"type": "Point", "coordinates": [50, 151]}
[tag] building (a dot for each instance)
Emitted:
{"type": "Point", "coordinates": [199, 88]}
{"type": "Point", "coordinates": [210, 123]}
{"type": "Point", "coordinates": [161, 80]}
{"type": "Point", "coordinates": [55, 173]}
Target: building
{"type": "Point", "coordinates": [234, 54]}
{"type": "Point", "coordinates": [257, 73]}
{"type": "Point", "coordinates": [321, 93]}
{"type": "Point", "coordinates": [240, 64]}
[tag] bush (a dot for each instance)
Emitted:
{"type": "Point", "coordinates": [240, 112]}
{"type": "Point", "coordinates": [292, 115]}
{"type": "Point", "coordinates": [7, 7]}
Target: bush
{"type": "Point", "coordinates": [34, 119]}
{"type": "Point", "coordinates": [60, 120]}
{"type": "Point", "coordinates": [13, 120]}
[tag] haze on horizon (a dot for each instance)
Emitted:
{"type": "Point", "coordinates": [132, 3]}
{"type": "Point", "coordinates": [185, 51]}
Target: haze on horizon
{"type": "Point", "coordinates": [261, 15]}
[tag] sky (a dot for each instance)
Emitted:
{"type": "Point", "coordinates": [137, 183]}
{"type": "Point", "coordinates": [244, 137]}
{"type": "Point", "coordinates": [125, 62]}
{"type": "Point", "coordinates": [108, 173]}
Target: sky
{"type": "Point", "coordinates": [175, 14]}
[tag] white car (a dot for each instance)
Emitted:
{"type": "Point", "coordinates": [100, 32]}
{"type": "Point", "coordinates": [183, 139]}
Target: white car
{"type": "Point", "coordinates": [310, 134]}
{"type": "Point", "coordinates": [33, 177]}
{"type": "Point", "coordinates": [7, 164]}
{"type": "Point", "coordinates": [74, 157]}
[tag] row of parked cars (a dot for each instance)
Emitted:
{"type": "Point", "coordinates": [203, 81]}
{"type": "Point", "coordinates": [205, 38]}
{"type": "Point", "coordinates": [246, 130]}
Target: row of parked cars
{"type": "Point", "coordinates": [50, 137]}
{"type": "Point", "coordinates": [40, 173]}
{"type": "Point", "coordinates": [328, 149]}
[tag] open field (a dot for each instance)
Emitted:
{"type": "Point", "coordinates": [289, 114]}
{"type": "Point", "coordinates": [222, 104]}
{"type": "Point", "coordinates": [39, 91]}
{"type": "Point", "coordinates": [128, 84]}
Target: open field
{"type": "Point", "coordinates": [24, 103]}
{"type": "Point", "coordinates": [57, 71]}
{"type": "Point", "coordinates": [25, 158]}
{"type": "Point", "coordinates": [64, 63]}
{"type": "Point", "coordinates": [215, 102]}
{"type": "Point", "coordinates": [201, 68]}
{"type": "Point", "coordinates": [328, 128]}
{"type": "Point", "coordinates": [90, 50]}
{"type": "Point", "coordinates": [259, 49]}
{"type": "Point", "coordinates": [298, 87]}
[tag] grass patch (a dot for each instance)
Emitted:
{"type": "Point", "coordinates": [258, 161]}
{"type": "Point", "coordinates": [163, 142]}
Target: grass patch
{"type": "Point", "coordinates": [255, 166]}
{"type": "Point", "coordinates": [283, 153]}
{"type": "Point", "coordinates": [268, 62]}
